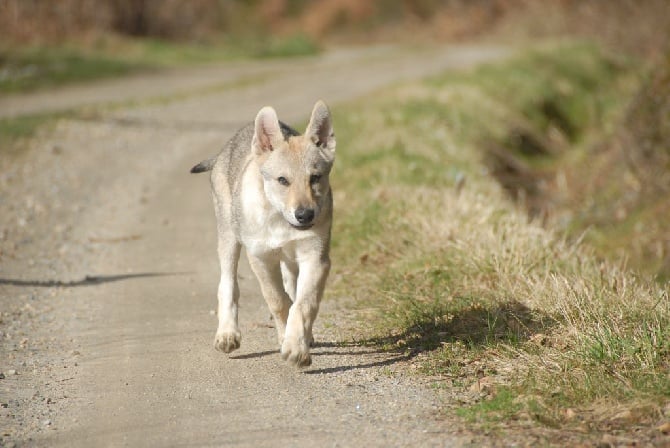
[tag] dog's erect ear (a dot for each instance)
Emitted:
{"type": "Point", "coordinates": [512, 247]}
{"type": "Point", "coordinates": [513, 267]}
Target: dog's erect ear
{"type": "Point", "coordinates": [320, 130]}
{"type": "Point", "coordinates": [267, 132]}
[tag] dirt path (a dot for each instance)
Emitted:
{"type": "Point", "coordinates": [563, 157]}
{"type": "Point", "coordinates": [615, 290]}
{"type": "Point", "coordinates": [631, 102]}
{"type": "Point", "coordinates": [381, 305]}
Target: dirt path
{"type": "Point", "coordinates": [108, 275]}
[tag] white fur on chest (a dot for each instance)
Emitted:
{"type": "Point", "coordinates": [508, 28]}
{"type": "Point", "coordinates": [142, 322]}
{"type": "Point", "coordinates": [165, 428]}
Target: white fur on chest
{"type": "Point", "coordinates": [274, 234]}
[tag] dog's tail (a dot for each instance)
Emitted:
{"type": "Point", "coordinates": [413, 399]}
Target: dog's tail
{"type": "Point", "coordinates": [205, 165]}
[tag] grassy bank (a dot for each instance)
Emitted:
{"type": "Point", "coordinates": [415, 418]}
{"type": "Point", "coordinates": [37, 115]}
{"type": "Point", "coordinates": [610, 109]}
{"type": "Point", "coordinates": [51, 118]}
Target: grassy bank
{"type": "Point", "coordinates": [433, 242]}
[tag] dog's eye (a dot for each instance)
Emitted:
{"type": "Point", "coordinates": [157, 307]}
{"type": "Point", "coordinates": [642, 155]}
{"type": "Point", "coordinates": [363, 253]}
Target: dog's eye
{"type": "Point", "coordinates": [283, 181]}
{"type": "Point", "coordinates": [314, 178]}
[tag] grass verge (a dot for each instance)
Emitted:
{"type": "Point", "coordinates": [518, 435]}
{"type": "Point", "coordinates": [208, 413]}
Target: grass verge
{"type": "Point", "coordinates": [519, 323]}
{"type": "Point", "coordinates": [15, 131]}
{"type": "Point", "coordinates": [24, 69]}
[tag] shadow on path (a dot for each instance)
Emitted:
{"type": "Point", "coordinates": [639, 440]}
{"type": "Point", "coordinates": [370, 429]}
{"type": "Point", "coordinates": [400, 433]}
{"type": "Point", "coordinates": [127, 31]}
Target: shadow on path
{"type": "Point", "coordinates": [255, 355]}
{"type": "Point", "coordinates": [382, 363]}
{"type": "Point", "coordinates": [89, 280]}
{"type": "Point", "coordinates": [392, 359]}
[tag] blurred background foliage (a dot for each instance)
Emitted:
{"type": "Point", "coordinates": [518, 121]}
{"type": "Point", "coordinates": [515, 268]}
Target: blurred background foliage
{"type": "Point", "coordinates": [632, 25]}
{"type": "Point", "coordinates": [609, 176]}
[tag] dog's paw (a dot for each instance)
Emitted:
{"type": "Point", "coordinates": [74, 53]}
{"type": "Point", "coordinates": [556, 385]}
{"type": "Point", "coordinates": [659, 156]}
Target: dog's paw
{"type": "Point", "coordinates": [227, 341]}
{"type": "Point", "coordinates": [296, 351]}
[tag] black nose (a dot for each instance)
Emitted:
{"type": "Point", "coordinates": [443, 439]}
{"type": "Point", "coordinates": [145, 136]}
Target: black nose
{"type": "Point", "coordinates": [304, 215]}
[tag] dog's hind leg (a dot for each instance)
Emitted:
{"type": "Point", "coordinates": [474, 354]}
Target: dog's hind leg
{"type": "Point", "coordinates": [228, 333]}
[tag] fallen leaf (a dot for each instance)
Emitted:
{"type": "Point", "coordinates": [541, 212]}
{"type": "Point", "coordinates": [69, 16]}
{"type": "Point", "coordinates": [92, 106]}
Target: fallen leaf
{"type": "Point", "coordinates": [483, 384]}
{"type": "Point", "coordinates": [570, 414]}
{"type": "Point", "coordinates": [539, 339]}
{"type": "Point", "coordinates": [623, 416]}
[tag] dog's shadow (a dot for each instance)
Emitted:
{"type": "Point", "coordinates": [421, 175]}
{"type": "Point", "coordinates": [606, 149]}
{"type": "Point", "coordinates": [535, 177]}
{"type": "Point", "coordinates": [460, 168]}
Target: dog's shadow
{"type": "Point", "coordinates": [322, 349]}
{"type": "Point", "coordinates": [509, 322]}
{"type": "Point", "coordinates": [369, 365]}
{"type": "Point", "coordinates": [255, 355]}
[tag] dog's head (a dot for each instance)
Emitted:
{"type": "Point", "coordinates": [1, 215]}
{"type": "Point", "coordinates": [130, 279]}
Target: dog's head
{"type": "Point", "coordinates": [295, 168]}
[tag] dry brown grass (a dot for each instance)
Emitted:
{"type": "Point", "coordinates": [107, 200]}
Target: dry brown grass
{"type": "Point", "coordinates": [523, 327]}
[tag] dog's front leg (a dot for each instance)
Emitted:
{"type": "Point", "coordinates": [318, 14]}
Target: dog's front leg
{"type": "Point", "coordinates": [313, 272]}
{"type": "Point", "coordinates": [289, 271]}
{"type": "Point", "coordinates": [268, 271]}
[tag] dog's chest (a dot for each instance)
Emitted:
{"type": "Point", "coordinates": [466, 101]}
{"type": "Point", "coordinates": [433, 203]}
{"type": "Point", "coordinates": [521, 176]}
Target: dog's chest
{"type": "Point", "coordinates": [264, 229]}
{"type": "Point", "coordinates": [268, 237]}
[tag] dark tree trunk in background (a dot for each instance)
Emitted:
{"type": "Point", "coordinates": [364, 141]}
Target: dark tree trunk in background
{"type": "Point", "coordinates": [130, 17]}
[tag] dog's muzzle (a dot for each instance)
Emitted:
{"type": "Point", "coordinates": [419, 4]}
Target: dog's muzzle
{"type": "Point", "coordinates": [304, 217]}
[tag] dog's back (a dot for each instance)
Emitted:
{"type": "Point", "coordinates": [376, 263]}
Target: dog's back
{"type": "Point", "coordinates": [236, 150]}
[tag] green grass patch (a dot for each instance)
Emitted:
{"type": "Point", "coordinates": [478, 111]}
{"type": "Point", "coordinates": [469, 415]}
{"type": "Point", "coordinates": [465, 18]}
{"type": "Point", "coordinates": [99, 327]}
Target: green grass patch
{"type": "Point", "coordinates": [35, 68]}
{"type": "Point", "coordinates": [286, 47]}
{"type": "Point", "coordinates": [14, 130]}
{"type": "Point", "coordinates": [461, 280]}
{"type": "Point", "coordinates": [501, 408]}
